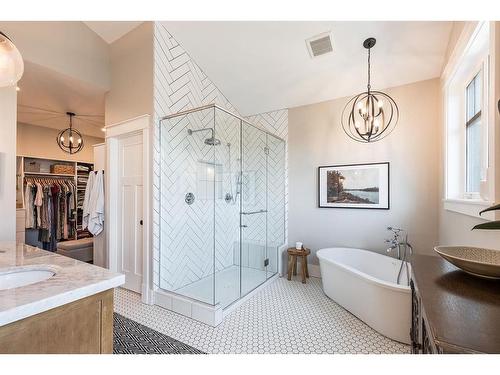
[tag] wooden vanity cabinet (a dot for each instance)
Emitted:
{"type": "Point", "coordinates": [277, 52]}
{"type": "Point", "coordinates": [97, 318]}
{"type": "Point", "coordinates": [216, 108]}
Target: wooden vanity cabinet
{"type": "Point", "coordinates": [84, 326]}
{"type": "Point", "coordinates": [452, 311]}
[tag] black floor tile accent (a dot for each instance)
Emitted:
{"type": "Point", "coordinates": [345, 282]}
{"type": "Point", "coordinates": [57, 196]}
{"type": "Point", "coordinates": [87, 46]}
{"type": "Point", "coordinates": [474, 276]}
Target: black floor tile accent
{"type": "Point", "coordinates": [131, 337]}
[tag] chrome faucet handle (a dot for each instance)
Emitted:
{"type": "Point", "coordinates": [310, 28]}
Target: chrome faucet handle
{"type": "Point", "coordinates": [390, 249]}
{"type": "Point", "coordinates": [395, 230]}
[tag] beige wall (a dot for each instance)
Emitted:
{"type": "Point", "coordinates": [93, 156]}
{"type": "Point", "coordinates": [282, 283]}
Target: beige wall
{"type": "Point", "coordinates": [8, 101]}
{"type": "Point", "coordinates": [316, 138]}
{"type": "Point", "coordinates": [455, 228]}
{"type": "Point", "coordinates": [455, 32]}
{"type": "Point", "coordinates": [70, 48]}
{"type": "Point", "coordinates": [131, 93]}
{"type": "Point", "coordinates": [41, 142]}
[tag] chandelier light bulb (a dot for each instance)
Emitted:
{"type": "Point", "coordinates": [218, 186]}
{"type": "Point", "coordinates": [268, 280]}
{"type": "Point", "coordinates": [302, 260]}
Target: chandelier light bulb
{"type": "Point", "coordinates": [62, 139]}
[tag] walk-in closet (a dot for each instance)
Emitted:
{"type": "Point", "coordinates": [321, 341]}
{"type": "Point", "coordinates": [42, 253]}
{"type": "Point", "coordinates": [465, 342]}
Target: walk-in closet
{"type": "Point", "coordinates": [60, 124]}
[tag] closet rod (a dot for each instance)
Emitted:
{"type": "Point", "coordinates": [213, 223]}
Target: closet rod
{"type": "Point", "coordinates": [49, 174]}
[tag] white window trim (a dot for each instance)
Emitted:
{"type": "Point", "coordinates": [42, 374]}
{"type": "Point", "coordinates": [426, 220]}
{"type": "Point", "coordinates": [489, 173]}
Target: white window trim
{"type": "Point", "coordinates": [458, 202]}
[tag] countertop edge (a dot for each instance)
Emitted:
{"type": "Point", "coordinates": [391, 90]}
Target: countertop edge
{"type": "Point", "coordinates": [37, 307]}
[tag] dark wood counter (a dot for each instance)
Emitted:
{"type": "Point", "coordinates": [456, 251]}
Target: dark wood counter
{"type": "Point", "coordinates": [459, 312]}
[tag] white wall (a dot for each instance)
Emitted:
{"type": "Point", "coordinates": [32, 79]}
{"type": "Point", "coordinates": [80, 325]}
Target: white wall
{"type": "Point", "coordinates": [8, 101]}
{"type": "Point", "coordinates": [316, 138]}
{"type": "Point", "coordinates": [40, 142]}
{"type": "Point", "coordinates": [131, 93]}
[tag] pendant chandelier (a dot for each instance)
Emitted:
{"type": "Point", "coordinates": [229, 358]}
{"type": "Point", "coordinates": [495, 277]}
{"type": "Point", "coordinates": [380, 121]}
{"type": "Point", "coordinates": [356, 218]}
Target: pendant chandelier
{"type": "Point", "coordinates": [70, 140]}
{"type": "Point", "coordinates": [371, 115]}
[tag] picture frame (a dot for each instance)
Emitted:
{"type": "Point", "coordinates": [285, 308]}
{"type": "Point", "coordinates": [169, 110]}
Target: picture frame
{"type": "Point", "coordinates": [361, 186]}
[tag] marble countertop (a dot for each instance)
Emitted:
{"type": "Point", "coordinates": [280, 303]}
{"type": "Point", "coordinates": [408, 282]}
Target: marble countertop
{"type": "Point", "coordinates": [72, 281]}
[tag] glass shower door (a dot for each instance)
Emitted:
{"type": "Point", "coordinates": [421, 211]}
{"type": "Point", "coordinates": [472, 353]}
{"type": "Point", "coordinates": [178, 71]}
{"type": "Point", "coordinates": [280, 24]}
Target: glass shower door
{"type": "Point", "coordinates": [253, 214]}
{"type": "Point", "coordinates": [275, 156]}
{"type": "Point", "coordinates": [189, 180]}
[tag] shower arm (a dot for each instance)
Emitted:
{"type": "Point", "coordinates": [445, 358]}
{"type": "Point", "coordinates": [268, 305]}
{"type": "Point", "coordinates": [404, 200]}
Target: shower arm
{"type": "Point", "coordinates": [190, 131]}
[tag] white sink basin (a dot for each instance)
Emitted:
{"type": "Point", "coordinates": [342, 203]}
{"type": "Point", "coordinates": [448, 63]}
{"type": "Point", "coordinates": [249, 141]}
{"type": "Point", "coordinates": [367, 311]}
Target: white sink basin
{"type": "Point", "coordinates": [16, 278]}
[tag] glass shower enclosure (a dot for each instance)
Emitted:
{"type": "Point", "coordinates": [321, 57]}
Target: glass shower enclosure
{"type": "Point", "coordinates": [222, 205]}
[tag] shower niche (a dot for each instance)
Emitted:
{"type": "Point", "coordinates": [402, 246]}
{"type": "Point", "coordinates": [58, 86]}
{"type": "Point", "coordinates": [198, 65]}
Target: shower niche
{"type": "Point", "coordinates": [222, 209]}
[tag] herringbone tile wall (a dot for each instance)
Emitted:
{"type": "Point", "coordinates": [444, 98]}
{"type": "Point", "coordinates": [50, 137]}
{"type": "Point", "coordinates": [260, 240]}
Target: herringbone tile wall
{"type": "Point", "coordinates": [186, 250]}
{"type": "Point", "coordinates": [276, 122]}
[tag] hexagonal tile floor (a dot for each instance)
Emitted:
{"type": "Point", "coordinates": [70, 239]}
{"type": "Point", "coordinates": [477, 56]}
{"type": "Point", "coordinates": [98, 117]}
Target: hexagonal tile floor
{"type": "Point", "coordinates": [285, 317]}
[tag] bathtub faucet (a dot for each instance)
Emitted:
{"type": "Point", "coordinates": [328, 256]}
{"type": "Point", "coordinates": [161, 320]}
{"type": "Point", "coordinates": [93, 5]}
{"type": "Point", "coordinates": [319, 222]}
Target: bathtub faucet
{"type": "Point", "coordinates": [404, 251]}
{"type": "Point", "coordinates": [396, 242]}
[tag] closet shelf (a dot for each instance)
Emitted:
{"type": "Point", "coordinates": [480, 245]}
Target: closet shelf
{"type": "Point", "coordinates": [49, 174]}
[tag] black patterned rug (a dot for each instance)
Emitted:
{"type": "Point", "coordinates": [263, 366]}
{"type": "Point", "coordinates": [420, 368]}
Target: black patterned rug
{"type": "Point", "coordinates": [130, 337]}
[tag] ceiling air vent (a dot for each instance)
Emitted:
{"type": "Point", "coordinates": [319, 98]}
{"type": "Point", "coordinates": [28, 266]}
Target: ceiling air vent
{"type": "Point", "coordinates": [320, 44]}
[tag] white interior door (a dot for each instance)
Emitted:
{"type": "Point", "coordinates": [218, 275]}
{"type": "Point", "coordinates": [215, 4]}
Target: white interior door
{"type": "Point", "coordinates": [130, 211]}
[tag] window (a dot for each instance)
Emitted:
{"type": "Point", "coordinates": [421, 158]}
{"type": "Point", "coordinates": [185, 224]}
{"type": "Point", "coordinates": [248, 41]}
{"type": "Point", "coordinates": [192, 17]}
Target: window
{"type": "Point", "coordinates": [473, 135]}
{"type": "Point", "coordinates": [469, 185]}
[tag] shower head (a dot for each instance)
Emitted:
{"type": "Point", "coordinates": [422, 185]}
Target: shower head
{"type": "Point", "coordinates": [212, 141]}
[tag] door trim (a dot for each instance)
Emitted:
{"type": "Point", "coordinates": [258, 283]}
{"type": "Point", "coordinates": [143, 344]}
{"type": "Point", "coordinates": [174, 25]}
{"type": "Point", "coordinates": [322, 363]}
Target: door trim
{"type": "Point", "coordinates": [114, 132]}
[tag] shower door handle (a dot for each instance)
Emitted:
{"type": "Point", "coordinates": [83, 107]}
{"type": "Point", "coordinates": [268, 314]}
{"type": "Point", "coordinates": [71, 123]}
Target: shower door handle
{"type": "Point", "coordinates": [243, 226]}
{"type": "Point", "coordinates": [254, 212]}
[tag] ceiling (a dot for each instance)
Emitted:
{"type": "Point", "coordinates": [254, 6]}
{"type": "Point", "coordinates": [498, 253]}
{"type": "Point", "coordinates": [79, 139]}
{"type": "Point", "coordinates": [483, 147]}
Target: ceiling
{"type": "Point", "coordinates": [264, 66]}
{"type": "Point", "coordinates": [45, 96]}
{"type": "Point", "coordinates": [112, 30]}
{"type": "Point", "coordinates": [259, 66]}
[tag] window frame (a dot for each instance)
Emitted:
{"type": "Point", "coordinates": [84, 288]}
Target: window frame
{"type": "Point", "coordinates": [479, 71]}
{"type": "Point", "coordinates": [470, 57]}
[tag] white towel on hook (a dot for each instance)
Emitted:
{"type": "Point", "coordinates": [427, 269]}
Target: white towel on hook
{"type": "Point", "coordinates": [96, 205]}
{"type": "Point", "coordinates": [86, 200]}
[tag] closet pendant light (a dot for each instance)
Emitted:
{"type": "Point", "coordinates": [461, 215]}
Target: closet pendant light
{"type": "Point", "coordinates": [371, 115]}
{"type": "Point", "coordinates": [11, 62]}
{"type": "Point", "coordinates": [70, 140]}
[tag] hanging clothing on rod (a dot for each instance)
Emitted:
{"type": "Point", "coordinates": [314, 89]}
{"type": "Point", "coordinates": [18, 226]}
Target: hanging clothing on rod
{"type": "Point", "coordinates": [88, 190]}
{"type": "Point", "coordinates": [50, 204]}
{"type": "Point", "coordinates": [93, 205]}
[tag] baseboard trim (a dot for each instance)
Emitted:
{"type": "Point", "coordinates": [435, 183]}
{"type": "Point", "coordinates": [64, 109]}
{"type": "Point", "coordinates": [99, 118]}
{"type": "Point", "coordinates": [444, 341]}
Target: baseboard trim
{"type": "Point", "coordinates": [314, 270]}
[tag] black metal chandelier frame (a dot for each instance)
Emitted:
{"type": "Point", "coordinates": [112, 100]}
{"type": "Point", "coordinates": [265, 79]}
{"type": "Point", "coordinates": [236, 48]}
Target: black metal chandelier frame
{"type": "Point", "coordinates": [375, 111]}
{"type": "Point", "coordinates": [66, 138]}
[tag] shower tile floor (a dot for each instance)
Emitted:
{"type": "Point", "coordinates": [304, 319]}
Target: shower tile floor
{"type": "Point", "coordinates": [227, 285]}
{"type": "Point", "coordinates": [285, 317]}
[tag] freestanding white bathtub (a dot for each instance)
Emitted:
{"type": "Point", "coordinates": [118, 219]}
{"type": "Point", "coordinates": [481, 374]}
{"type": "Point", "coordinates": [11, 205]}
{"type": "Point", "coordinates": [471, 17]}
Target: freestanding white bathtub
{"type": "Point", "coordinates": [364, 283]}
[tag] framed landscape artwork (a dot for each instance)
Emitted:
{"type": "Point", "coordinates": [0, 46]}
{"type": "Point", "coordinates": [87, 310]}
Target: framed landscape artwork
{"type": "Point", "coordinates": [354, 186]}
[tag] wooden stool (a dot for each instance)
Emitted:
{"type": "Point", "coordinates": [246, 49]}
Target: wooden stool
{"type": "Point", "coordinates": [293, 253]}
